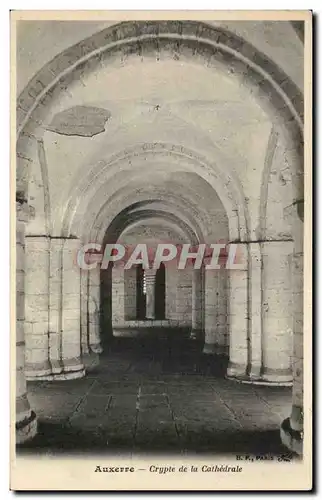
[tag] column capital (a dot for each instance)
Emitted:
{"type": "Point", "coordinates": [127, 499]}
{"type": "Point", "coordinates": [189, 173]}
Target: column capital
{"type": "Point", "coordinates": [283, 247]}
{"type": "Point", "coordinates": [37, 243]}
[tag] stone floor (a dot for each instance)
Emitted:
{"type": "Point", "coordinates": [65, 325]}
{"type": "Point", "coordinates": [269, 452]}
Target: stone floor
{"type": "Point", "coordinates": [156, 395]}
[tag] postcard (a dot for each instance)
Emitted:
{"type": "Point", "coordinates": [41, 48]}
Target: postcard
{"type": "Point", "coordinates": [161, 334]}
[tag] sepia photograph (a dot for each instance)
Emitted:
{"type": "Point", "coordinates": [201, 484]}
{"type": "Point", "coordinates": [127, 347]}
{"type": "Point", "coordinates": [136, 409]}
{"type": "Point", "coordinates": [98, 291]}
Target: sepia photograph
{"type": "Point", "coordinates": [161, 321]}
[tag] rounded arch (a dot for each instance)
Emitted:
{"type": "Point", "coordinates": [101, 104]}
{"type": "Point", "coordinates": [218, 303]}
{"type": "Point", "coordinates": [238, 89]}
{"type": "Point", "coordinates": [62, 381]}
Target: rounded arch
{"type": "Point", "coordinates": [193, 39]}
{"type": "Point", "coordinates": [133, 34]}
{"type": "Point", "coordinates": [225, 184]}
{"type": "Point", "coordinates": [128, 219]}
{"type": "Point", "coordinates": [176, 203]}
{"type": "Point", "coordinates": [132, 217]}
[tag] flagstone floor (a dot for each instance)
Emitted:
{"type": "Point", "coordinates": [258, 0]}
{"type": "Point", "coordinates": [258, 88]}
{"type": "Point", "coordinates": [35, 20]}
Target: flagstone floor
{"type": "Point", "coordinates": [155, 396]}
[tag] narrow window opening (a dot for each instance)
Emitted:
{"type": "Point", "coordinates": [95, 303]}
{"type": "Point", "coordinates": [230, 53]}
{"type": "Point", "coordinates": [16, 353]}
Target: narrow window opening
{"type": "Point", "coordinates": [160, 293]}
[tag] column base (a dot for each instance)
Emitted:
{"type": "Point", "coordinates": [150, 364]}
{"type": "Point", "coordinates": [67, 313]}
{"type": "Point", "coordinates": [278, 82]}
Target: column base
{"type": "Point", "coordinates": [255, 372]}
{"type": "Point", "coordinates": [275, 378]}
{"type": "Point", "coordinates": [26, 429]}
{"type": "Point", "coordinates": [278, 376]}
{"type": "Point", "coordinates": [292, 439]}
{"type": "Point", "coordinates": [236, 371]}
{"type": "Point", "coordinates": [56, 366]}
{"type": "Point", "coordinates": [96, 348]}
{"type": "Point", "coordinates": [91, 361]}
{"type": "Point", "coordinates": [85, 348]}
{"type": "Point", "coordinates": [66, 369]}
{"type": "Point", "coordinates": [59, 376]}
{"type": "Point", "coordinates": [72, 368]}
{"type": "Point", "coordinates": [69, 375]}
{"type": "Point", "coordinates": [247, 379]}
{"type": "Point", "coordinates": [72, 364]}
{"type": "Point", "coordinates": [125, 332]}
{"type": "Point", "coordinates": [34, 371]}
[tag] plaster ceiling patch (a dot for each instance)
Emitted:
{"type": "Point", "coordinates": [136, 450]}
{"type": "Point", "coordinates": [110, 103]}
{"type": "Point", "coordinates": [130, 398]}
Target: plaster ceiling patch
{"type": "Point", "coordinates": [83, 121]}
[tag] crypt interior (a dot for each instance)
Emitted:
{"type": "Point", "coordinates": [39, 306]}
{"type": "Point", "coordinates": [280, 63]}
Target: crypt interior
{"type": "Point", "coordinates": [182, 132]}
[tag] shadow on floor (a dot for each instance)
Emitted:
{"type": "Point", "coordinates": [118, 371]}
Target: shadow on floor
{"type": "Point", "coordinates": [156, 394]}
{"type": "Point", "coordinates": [169, 349]}
{"type": "Point", "coordinates": [58, 438]}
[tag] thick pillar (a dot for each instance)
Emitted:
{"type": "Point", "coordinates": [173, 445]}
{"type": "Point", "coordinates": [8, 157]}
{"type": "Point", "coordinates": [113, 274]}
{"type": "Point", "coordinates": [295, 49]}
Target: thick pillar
{"type": "Point", "coordinates": [37, 307]}
{"type": "Point", "coordinates": [84, 311]}
{"type": "Point", "coordinates": [292, 427]}
{"type": "Point", "coordinates": [26, 422]}
{"type": "Point", "coordinates": [106, 300]}
{"type": "Point", "coordinates": [255, 310]}
{"type": "Point", "coordinates": [171, 282]}
{"type": "Point", "coordinates": [150, 276]}
{"type": "Point", "coordinates": [130, 293]}
{"type": "Point", "coordinates": [94, 310]}
{"type": "Point", "coordinates": [277, 312]}
{"type": "Point", "coordinates": [215, 299]}
{"type": "Point", "coordinates": [118, 312]}
{"type": "Point", "coordinates": [238, 316]}
{"type": "Point", "coordinates": [211, 293]}
{"type": "Point", "coordinates": [55, 306]}
{"type": "Point", "coordinates": [183, 296]}
{"type": "Point", "coordinates": [222, 338]}
{"type": "Point", "coordinates": [70, 341]}
{"type": "Point", "coordinates": [197, 304]}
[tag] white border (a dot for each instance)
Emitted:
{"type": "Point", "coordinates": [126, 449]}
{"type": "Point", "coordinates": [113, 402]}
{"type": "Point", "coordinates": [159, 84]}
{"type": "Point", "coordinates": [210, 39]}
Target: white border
{"type": "Point", "coordinates": [314, 5]}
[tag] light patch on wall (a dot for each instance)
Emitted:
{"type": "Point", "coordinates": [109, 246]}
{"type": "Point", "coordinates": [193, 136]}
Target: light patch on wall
{"type": "Point", "coordinates": [83, 121]}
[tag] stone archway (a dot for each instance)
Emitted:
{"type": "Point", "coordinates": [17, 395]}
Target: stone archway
{"type": "Point", "coordinates": [184, 39]}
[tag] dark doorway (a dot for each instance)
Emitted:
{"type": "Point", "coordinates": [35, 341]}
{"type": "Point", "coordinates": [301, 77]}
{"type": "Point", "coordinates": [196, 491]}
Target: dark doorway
{"type": "Point", "coordinates": [160, 293]}
{"type": "Point", "coordinates": [106, 327]}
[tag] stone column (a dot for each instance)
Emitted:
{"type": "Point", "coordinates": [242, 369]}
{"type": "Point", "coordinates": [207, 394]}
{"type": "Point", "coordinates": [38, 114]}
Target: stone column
{"type": "Point", "coordinates": [94, 310]}
{"type": "Point", "coordinates": [222, 327]}
{"type": "Point", "coordinates": [215, 307]}
{"type": "Point", "coordinates": [197, 304]}
{"type": "Point", "coordinates": [37, 307]}
{"type": "Point", "coordinates": [118, 317]}
{"type": "Point", "coordinates": [211, 292]}
{"type": "Point", "coordinates": [171, 283]}
{"type": "Point", "coordinates": [238, 316]}
{"type": "Point", "coordinates": [26, 421]}
{"type": "Point", "coordinates": [292, 427]}
{"type": "Point", "coordinates": [255, 310]}
{"type": "Point", "coordinates": [84, 311]}
{"type": "Point", "coordinates": [71, 342]}
{"type": "Point", "coordinates": [184, 297]}
{"type": "Point", "coordinates": [150, 275]}
{"type": "Point", "coordinates": [55, 305]}
{"type": "Point", "coordinates": [130, 293]}
{"type": "Point", "coordinates": [106, 303]}
{"type": "Point", "coordinates": [277, 312]}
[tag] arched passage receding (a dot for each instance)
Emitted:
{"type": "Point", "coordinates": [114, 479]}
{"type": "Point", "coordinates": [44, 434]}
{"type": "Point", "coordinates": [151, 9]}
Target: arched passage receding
{"type": "Point", "coordinates": [277, 94]}
{"type": "Point", "coordinates": [181, 223]}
